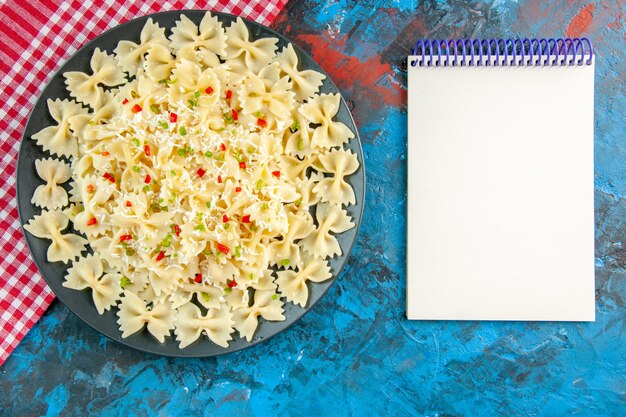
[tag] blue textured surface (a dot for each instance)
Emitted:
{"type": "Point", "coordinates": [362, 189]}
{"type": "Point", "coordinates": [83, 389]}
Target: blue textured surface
{"type": "Point", "coordinates": [355, 354]}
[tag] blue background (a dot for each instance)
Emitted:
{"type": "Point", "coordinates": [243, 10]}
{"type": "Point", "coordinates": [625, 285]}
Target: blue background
{"type": "Point", "coordinates": [355, 354]}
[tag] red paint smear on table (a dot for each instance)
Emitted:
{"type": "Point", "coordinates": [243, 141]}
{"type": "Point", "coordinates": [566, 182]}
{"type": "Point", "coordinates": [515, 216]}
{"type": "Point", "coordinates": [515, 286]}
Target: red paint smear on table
{"type": "Point", "coordinates": [581, 21]}
{"type": "Point", "coordinates": [618, 23]}
{"type": "Point", "coordinates": [348, 71]}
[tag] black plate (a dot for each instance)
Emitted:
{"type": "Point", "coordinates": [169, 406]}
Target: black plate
{"type": "Point", "coordinates": [80, 302]}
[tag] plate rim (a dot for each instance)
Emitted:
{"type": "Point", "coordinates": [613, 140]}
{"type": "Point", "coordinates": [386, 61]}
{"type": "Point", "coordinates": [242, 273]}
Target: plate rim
{"type": "Point", "coordinates": [180, 353]}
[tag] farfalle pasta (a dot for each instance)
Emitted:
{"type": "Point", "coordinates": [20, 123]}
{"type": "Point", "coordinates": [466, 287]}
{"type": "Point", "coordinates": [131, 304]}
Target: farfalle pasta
{"type": "Point", "coordinates": [216, 324]}
{"type": "Point", "coordinates": [49, 225]}
{"type": "Point", "coordinates": [135, 313]}
{"type": "Point", "coordinates": [51, 195]}
{"type": "Point", "coordinates": [246, 56]}
{"type": "Point", "coordinates": [208, 175]}
{"type": "Point", "coordinates": [293, 285]}
{"type": "Point", "coordinates": [205, 43]}
{"type": "Point", "coordinates": [130, 55]}
{"type": "Point", "coordinates": [334, 189]}
{"type": "Point", "coordinates": [320, 110]}
{"type": "Point", "coordinates": [88, 272]}
{"type": "Point", "coordinates": [305, 83]}
{"type": "Point", "coordinates": [88, 88]}
{"type": "Point", "coordinates": [58, 139]}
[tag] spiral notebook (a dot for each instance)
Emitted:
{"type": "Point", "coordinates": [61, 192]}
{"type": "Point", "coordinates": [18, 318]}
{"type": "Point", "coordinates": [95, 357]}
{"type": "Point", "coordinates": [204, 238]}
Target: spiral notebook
{"type": "Point", "coordinates": [500, 180]}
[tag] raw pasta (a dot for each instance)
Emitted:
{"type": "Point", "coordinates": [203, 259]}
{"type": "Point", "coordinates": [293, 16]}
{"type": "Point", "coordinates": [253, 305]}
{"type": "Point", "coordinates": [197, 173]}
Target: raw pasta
{"type": "Point", "coordinates": [205, 44]}
{"type": "Point", "coordinates": [293, 285]}
{"type": "Point", "coordinates": [217, 324]}
{"type": "Point", "coordinates": [87, 272]}
{"type": "Point", "coordinates": [135, 313]}
{"type": "Point", "coordinates": [48, 225]}
{"type": "Point", "coordinates": [338, 163]}
{"type": "Point", "coordinates": [58, 139]}
{"type": "Point", "coordinates": [194, 173]}
{"type": "Point", "coordinates": [305, 83]}
{"type": "Point", "coordinates": [322, 243]}
{"type": "Point", "coordinates": [266, 304]}
{"type": "Point", "coordinates": [86, 88]}
{"type": "Point", "coordinates": [245, 55]}
{"type": "Point", "coordinates": [50, 195]}
{"type": "Point", "coordinates": [320, 110]}
{"type": "Point", "coordinates": [130, 55]}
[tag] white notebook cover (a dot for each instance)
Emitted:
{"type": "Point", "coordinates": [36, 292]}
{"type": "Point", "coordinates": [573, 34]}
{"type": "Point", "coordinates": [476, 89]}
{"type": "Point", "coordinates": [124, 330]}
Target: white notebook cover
{"type": "Point", "coordinates": [500, 193]}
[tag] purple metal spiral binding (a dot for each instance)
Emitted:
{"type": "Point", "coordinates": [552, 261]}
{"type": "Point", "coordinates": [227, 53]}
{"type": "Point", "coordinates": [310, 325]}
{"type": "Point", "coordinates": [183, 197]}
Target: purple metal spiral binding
{"type": "Point", "coordinates": [512, 52]}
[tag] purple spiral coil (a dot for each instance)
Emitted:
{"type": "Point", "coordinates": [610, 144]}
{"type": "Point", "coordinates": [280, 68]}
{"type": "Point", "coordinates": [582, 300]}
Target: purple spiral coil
{"type": "Point", "coordinates": [511, 52]}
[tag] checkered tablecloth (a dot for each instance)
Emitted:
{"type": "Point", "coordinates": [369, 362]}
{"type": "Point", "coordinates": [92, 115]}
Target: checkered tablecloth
{"type": "Point", "coordinates": [37, 36]}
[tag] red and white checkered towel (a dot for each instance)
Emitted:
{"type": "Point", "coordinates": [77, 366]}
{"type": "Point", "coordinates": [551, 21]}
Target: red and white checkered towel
{"type": "Point", "coordinates": [37, 36]}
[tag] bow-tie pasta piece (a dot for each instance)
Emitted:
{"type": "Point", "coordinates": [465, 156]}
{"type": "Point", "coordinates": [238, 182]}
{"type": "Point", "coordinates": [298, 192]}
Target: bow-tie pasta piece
{"type": "Point", "coordinates": [267, 96]}
{"type": "Point", "coordinates": [93, 222]}
{"type": "Point", "coordinates": [199, 90]}
{"type": "Point", "coordinates": [134, 313]}
{"type": "Point", "coordinates": [98, 195]}
{"type": "Point", "coordinates": [217, 325]}
{"type": "Point", "coordinates": [244, 55]}
{"type": "Point", "coordinates": [293, 284]}
{"type": "Point", "coordinates": [208, 41]}
{"type": "Point", "coordinates": [86, 88]}
{"type": "Point", "coordinates": [58, 139]}
{"type": "Point", "coordinates": [84, 272]}
{"type": "Point", "coordinates": [51, 195]}
{"type": "Point", "coordinates": [186, 76]}
{"type": "Point", "coordinates": [48, 225]}
{"type": "Point", "coordinates": [130, 55]}
{"type": "Point", "coordinates": [90, 165]}
{"type": "Point", "coordinates": [256, 257]}
{"type": "Point", "coordinates": [320, 110]}
{"type": "Point", "coordinates": [305, 83]}
{"type": "Point", "coordinates": [87, 273]}
{"type": "Point", "coordinates": [340, 163]}
{"type": "Point", "coordinates": [266, 304]}
{"type": "Point", "coordinates": [159, 63]}
{"type": "Point", "coordinates": [321, 243]}
{"type": "Point", "coordinates": [298, 138]}
{"type": "Point", "coordinates": [286, 252]}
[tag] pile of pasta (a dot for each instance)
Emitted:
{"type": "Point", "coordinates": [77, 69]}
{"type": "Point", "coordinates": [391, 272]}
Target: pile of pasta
{"type": "Point", "coordinates": [195, 164]}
